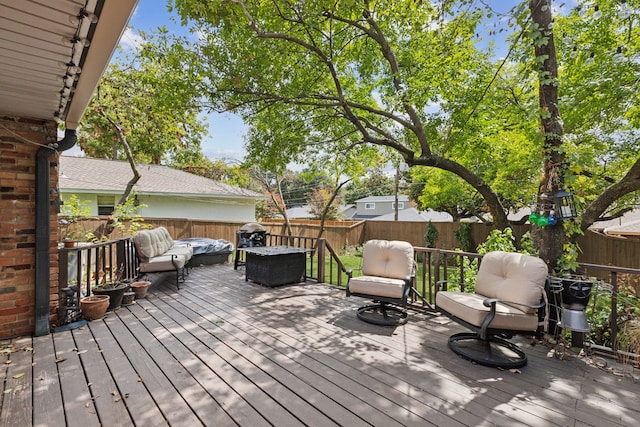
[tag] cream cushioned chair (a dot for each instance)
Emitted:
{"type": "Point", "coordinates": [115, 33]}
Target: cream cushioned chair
{"type": "Point", "coordinates": [509, 290]}
{"type": "Point", "coordinates": [388, 269]}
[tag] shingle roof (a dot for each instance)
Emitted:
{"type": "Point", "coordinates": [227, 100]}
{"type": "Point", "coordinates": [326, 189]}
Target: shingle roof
{"type": "Point", "coordinates": [628, 229]}
{"type": "Point", "coordinates": [112, 176]}
{"type": "Point", "coordinates": [401, 198]}
{"type": "Point", "coordinates": [412, 214]}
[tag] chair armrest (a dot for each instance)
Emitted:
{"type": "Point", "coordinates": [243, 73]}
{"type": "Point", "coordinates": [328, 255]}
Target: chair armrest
{"type": "Point", "coordinates": [441, 285]}
{"type": "Point", "coordinates": [349, 273]}
{"type": "Point", "coordinates": [491, 302]}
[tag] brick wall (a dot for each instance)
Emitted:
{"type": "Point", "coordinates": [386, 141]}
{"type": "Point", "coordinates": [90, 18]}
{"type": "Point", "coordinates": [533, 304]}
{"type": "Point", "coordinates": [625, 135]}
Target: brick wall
{"type": "Point", "coordinates": [19, 143]}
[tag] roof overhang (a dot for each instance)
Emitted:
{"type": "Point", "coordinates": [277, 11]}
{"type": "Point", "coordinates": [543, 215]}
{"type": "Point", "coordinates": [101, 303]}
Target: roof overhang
{"type": "Point", "coordinates": [54, 54]}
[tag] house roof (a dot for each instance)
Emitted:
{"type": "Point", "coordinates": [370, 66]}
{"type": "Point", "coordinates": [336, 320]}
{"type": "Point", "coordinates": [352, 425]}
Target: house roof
{"type": "Point", "coordinates": [627, 229]}
{"type": "Point", "coordinates": [54, 53]}
{"type": "Point", "coordinates": [401, 198]}
{"type": "Point", "coordinates": [299, 212]}
{"type": "Point", "coordinates": [413, 215]}
{"type": "Point", "coordinates": [84, 174]}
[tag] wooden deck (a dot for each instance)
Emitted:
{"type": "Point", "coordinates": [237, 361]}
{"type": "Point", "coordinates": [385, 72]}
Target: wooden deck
{"type": "Point", "coordinates": [223, 351]}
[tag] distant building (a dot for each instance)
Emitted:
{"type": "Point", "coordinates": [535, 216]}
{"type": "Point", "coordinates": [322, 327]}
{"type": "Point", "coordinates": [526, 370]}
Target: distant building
{"type": "Point", "coordinates": [166, 192]}
{"type": "Point", "coordinates": [413, 215]}
{"type": "Point", "coordinates": [374, 206]}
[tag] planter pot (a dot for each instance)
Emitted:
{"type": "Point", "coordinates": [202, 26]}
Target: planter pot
{"type": "Point", "coordinates": [140, 288]}
{"type": "Point", "coordinates": [128, 297]}
{"type": "Point", "coordinates": [94, 307]}
{"type": "Point", "coordinates": [116, 295]}
{"type": "Point", "coordinates": [68, 243]}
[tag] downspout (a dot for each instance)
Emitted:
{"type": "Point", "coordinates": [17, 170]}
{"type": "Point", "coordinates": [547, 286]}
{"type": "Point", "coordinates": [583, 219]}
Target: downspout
{"type": "Point", "coordinates": [43, 227]}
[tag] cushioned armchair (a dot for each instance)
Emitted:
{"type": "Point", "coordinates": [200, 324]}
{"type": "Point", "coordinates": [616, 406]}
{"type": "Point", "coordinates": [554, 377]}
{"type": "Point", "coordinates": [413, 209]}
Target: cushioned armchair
{"type": "Point", "coordinates": [388, 269]}
{"type": "Point", "coordinates": [509, 291]}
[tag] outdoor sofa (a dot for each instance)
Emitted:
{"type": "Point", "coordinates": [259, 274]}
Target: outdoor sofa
{"type": "Point", "coordinates": [157, 252]}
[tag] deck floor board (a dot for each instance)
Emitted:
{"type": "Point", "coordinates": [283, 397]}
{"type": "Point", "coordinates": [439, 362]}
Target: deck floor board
{"type": "Point", "coordinates": [222, 351]}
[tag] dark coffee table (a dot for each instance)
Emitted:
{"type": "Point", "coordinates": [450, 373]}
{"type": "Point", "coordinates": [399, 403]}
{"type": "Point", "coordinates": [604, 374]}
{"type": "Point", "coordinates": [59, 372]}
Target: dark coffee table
{"type": "Point", "coordinates": [275, 265]}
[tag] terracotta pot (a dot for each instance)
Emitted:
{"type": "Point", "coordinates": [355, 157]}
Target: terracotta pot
{"type": "Point", "coordinates": [69, 243]}
{"type": "Point", "coordinates": [94, 307]}
{"type": "Point", "coordinates": [140, 288]}
{"type": "Point", "coordinates": [116, 295]}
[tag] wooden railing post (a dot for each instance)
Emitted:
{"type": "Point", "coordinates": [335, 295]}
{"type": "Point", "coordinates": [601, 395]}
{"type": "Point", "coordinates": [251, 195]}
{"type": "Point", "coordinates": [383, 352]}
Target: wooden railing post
{"type": "Point", "coordinates": [614, 310]}
{"type": "Point", "coordinates": [321, 254]}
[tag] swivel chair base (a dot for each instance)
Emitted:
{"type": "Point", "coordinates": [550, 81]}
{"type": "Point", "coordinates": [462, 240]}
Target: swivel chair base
{"type": "Point", "coordinates": [494, 352]}
{"type": "Point", "coordinates": [382, 314]}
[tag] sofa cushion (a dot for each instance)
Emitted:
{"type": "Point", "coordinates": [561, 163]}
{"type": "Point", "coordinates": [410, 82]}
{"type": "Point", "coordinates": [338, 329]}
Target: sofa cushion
{"type": "Point", "coordinates": [163, 263]}
{"type": "Point", "coordinates": [512, 277]}
{"type": "Point", "coordinates": [183, 250]}
{"type": "Point", "coordinates": [151, 243]}
{"type": "Point", "coordinates": [387, 258]}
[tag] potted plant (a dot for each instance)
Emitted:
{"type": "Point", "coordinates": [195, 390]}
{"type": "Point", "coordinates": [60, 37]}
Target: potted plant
{"type": "Point", "coordinates": [94, 306]}
{"type": "Point", "coordinates": [115, 289]}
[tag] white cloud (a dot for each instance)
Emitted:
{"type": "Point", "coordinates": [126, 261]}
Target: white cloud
{"type": "Point", "coordinates": [130, 40]}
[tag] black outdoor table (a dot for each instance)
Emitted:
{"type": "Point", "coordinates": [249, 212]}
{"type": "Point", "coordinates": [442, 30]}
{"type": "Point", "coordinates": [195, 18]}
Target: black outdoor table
{"type": "Point", "coordinates": [275, 265]}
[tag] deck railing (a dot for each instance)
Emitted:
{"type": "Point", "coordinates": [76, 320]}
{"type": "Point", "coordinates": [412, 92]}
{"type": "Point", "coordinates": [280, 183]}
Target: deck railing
{"type": "Point", "coordinates": [80, 264]}
{"type": "Point", "coordinates": [460, 268]}
{"type": "Point", "coordinates": [323, 264]}
{"type": "Point", "coordinates": [86, 265]}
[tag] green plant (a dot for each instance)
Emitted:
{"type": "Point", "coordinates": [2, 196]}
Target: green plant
{"type": "Point", "coordinates": [568, 261]}
{"type": "Point", "coordinates": [498, 240]}
{"type": "Point", "coordinates": [74, 211]}
{"type": "Point", "coordinates": [430, 236]}
{"type": "Point", "coordinates": [127, 214]}
{"type": "Point", "coordinates": [467, 283]}
{"type": "Point", "coordinates": [463, 236]}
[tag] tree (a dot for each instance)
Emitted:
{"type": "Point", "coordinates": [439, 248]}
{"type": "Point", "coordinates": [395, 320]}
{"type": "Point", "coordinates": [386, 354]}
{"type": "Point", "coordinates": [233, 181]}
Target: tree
{"type": "Point", "coordinates": [409, 76]}
{"type": "Point", "coordinates": [615, 172]}
{"type": "Point", "coordinates": [321, 203]}
{"type": "Point", "coordinates": [272, 183]}
{"type": "Point", "coordinates": [350, 73]}
{"type": "Point", "coordinates": [375, 183]}
{"type": "Point", "coordinates": [152, 96]}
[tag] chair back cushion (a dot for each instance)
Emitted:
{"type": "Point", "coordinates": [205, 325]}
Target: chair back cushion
{"type": "Point", "coordinates": [387, 258]}
{"type": "Point", "coordinates": [512, 277]}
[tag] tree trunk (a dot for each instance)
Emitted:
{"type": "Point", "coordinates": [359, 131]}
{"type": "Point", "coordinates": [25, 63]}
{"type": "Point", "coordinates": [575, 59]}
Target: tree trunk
{"type": "Point", "coordinates": [549, 240]}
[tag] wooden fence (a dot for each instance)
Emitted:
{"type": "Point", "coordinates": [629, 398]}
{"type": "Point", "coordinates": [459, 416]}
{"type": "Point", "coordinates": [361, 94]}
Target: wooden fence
{"type": "Point", "coordinates": [596, 248]}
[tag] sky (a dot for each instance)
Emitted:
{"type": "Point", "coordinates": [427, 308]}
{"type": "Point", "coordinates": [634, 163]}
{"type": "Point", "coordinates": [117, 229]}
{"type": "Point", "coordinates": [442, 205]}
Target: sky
{"type": "Point", "coordinates": [225, 139]}
{"type": "Point", "coordinates": [226, 131]}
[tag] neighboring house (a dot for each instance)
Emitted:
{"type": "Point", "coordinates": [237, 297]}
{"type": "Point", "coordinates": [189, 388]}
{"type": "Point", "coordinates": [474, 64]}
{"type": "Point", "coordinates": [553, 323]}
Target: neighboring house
{"type": "Point", "coordinates": [304, 212]}
{"type": "Point", "coordinates": [54, 53]}
{"type": "Point", "coordinates": [373, 206]}
{"type": "Point", "coordinates": [413, 215]}
{"type": "Point", "coordinates": [630, 230]}
{"type": "Point", "coordinates": [299, 212]}
{"type": "Point", "coordinates": [348, 211]}
{"type": "Point", "coordinates": [165, 192]}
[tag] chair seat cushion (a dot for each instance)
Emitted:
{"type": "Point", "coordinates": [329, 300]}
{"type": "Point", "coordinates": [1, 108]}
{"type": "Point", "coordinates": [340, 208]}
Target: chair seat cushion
{"type": "Point", "coordinates": [469, 307]}
{"type": "Point", "coordinates": [163, 263]}
{"type": "Point", "coordinates": [185, 251]}
{"type": "Point", "coordinates": [380, 286]}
